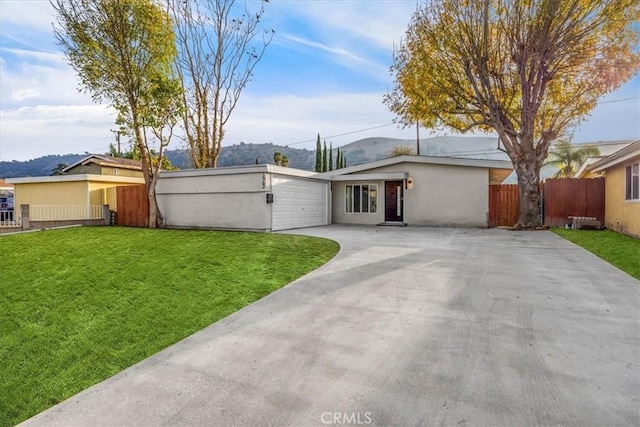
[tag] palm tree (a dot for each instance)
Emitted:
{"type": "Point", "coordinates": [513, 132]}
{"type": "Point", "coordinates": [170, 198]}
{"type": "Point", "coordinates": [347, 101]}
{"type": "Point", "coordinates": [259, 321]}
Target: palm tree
{"type": "Point", "coordinates": [569, 157]}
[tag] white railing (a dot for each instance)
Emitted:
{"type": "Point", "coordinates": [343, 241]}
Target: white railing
{"type": "Point", "coordinates": [9, 219]}
{"type": "Point", "coordinates": [64, 212]}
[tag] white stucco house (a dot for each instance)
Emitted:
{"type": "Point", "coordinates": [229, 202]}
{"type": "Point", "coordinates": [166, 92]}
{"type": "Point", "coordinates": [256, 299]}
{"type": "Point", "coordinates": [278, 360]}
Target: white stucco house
{"type": "Point", "coordinates": [405, 190]}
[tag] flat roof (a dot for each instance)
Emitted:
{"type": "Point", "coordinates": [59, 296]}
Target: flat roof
{"type": "Point", "coordinates": [236, 170]}
{"type": "Point", "coordinates": [435, 160]}
{"type": "Point", "coordinates": [76, 178]}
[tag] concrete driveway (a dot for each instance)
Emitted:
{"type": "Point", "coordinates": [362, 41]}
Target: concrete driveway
{"type": "Point", "coordinates": [406, 326]}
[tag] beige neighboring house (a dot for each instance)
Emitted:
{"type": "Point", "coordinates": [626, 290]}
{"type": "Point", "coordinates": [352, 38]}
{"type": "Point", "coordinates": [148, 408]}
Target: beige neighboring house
{"type": "Point", "coordinates": [81, 192]}
{"type": "Point", "coordinates": [606, 149]}
{"type": "Point", "coordinates": [97, 164]}
{"type": "Point", "coordinates": [622, 188]}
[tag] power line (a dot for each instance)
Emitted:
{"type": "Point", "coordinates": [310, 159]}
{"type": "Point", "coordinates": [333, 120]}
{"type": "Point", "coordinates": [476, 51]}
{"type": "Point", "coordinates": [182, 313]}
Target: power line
{"type": "Point", "coordinates": [342, 134]}
{"type": "Point", "coordinates": [618, 100]}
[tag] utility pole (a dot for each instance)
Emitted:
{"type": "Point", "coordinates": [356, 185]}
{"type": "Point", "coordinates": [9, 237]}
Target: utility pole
{"type": "Point", "coordinates": [417, 138]}
{"type": "Point", "coordinates": [118, 133]}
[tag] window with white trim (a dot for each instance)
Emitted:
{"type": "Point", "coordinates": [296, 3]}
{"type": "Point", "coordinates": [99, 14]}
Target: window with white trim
{"type": "Point", "coordinates": [632, 186]}
{"type": "Point", "coordinates": [361, 198]}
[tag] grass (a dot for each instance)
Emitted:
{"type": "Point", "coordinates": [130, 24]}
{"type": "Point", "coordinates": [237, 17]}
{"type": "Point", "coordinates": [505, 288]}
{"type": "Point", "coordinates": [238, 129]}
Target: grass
{"type": "Point", "coordinates": [617, 249]}
{"type": "Point", "coordinates": [79, 305]}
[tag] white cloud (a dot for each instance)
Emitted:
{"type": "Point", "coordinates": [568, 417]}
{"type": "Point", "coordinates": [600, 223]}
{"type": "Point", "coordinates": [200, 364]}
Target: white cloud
{"type": "Point", "coordinates": [31, 15]}
{"type": "Point", "coordinates": [343, 56]}
{"type": "Point", "coordinates": [378, 24]}
{"type": "Point", "coordinates": [290, 119]}
{"type": "Point", "coordinates": [41, 111]}
{"type": "Point", "coordinates": [30, 132]}
{"type": "Point", "coordinates": [37, 78]}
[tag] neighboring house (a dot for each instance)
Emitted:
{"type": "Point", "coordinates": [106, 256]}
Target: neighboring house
{"type": "Point", "coordinates": [258, 197]}
{"type": "Point", "coordinates": [96, 164]}
{"type": "Point", "coordinates": [606, 148]}
{"type": "Point", "coordinates": [622, 188]}
{"type": "Point", "coordinates": [413, 190]}
{"type": "Point", "coordinates": [75, 191]}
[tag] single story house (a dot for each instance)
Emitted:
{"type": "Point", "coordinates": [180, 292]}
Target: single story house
{"type": "Point", "coordinates": [257, 197]}
{"type": "Point", "coordinates": [80, 192]}
{"type": "Point", "coordinates": [413, 190]}
{"type": "Point", "coordinates": [622, 188]}
{"type": "Point", "coordinates": [416, 190]}
{"type": "Point", "coordinates": [66, 197]}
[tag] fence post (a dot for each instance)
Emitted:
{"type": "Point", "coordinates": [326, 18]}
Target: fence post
{"type": "Point", "coordinates": [24, 215]}
{"type": "Point", "coordinates": [106, 215]}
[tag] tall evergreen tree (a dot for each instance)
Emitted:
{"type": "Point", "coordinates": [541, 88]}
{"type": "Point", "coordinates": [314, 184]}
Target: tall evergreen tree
{"type": "Point", "coordinates": [331, 156]}
{"type": "Point", "coordinates": [338, 158]}
{"type": "Point", "coordinates": [324, 157]}
{"type": "Point", "coordinates": [318, 155]}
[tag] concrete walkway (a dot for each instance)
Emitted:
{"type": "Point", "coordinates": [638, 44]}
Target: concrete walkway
{"type": "Point", "coordinates": [406, 326]}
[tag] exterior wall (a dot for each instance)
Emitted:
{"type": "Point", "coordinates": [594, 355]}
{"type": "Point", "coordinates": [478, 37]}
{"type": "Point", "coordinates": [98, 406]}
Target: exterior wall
{"type": "Point", "coordinates": [234, 201]}
{"type": "Point", "coordinates": [109, 170]}
{"type": "Point", "coordinates": [442, 195]}
{"type": "Point", "coordinates": [89, 169]}
{"type": "Point", "coordinates": [52, 193]}
{"type": "Point", "coordinates": [104, 193]}
{"type": "Point", "coordinates": [96, 169]}
{"type": "Point", "coordinates": [619, 214]}
{"type": "Point", "coordinates": [340, 216]}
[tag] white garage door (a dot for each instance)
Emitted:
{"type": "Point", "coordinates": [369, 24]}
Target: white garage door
{"type": "Point", "coordinates": [298, 203]}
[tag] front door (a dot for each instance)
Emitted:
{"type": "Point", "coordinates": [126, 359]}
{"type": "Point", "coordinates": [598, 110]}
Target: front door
{"type": "Point", "coordinates": [393, 201]}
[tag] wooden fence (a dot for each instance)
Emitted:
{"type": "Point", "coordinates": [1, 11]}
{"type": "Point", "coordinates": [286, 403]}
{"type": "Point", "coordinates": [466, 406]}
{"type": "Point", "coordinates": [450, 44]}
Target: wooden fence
{"type": "Point", "coordinates": [562, 198]}
{"type": "Point", "coordinates": [567, 197]}
{"type": "Point", "coordinates": [503, 205]}
{"type": "Point", "coordinates": [133, 206]}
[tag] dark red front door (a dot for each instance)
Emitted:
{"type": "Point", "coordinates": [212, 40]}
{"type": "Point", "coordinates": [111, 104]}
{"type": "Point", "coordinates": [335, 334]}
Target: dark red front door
{"type": "Point", "coordinates": [393, 201]}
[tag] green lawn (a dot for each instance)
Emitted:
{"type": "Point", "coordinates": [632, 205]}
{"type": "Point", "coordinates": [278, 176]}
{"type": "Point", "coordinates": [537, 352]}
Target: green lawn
{"type": "Point", "coordinates": [79, 305]}
{"type": "Point", "coordinates": [615, 248]}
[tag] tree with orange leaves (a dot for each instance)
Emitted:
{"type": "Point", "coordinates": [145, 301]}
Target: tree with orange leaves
{"type": "Point", "coordinates": [528, 70]}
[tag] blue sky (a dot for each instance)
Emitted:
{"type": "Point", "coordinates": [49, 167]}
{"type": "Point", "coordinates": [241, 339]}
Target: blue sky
{"type": "Point", "coordinates": [325, 72]}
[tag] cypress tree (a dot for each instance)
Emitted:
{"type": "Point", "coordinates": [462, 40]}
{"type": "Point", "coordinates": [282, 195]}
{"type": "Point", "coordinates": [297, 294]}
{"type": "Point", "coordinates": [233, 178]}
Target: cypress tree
{"type": "Point", "coordinates": [318, 155]}
{"type": "Point", "coordinates": [324, 157]}
{"type": "Point", "coordinates": [338, 158]}
{"type": "Point", "coordinates": [331, 156]}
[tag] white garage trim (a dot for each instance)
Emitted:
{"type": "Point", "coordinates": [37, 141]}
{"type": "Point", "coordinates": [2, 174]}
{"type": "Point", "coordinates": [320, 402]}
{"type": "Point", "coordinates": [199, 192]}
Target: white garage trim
{"type": "Point", "coordinates": [298, 202]}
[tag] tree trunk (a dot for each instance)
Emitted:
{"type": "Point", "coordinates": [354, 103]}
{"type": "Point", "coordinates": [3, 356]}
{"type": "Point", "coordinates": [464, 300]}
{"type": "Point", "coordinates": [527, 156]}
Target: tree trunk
{"type": "Point", "coordinates": [528, 171]}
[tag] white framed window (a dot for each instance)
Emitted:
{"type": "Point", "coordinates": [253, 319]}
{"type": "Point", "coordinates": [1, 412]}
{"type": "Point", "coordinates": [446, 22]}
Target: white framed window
{"type": "Point", "coordinates": [361, 198]}
{"type": "Point", "coordinates": [632, 182]}
{"type": "Point", "coordinates": [116, 171]}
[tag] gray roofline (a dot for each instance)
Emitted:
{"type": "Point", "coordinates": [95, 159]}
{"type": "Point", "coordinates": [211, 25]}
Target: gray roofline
{"type": "Point", "coordinates": [75, 178]}
{"type": "Point", "coordinates": [235, 170]}
{"type": "Point", "coordinates": [105, 159]}
{"type": "Point", "coordinates": [619, 156]}
{"type": "Point", "coordinates": [447, 161]}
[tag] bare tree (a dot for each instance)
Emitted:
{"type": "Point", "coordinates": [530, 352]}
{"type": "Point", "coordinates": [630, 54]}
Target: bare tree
{"type": "Point", "coordinates": [218, 49]}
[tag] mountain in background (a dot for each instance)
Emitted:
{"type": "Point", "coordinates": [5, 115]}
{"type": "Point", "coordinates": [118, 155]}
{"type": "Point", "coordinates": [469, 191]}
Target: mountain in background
{"type": "Point", "coordinates": [358, 152]}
